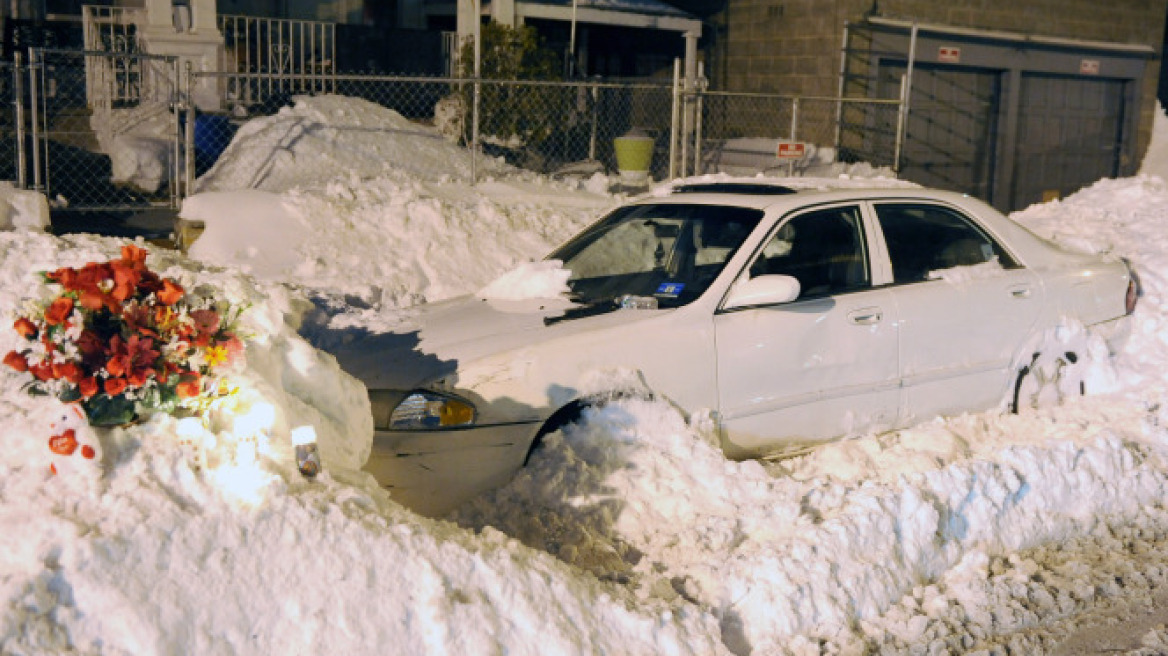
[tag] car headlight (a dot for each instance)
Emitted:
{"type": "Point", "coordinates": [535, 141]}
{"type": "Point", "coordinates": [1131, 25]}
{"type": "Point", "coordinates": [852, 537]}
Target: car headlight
{"type": "Point", "coordinates": [420, 410]}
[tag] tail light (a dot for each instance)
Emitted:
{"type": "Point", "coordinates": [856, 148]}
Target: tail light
{"type": "Point", "coordinates": [1134, 291]}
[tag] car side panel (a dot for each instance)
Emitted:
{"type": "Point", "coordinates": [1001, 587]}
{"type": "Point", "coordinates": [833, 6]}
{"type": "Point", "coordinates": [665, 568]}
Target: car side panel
{"type": "Point", "coordinates": [805, 372]}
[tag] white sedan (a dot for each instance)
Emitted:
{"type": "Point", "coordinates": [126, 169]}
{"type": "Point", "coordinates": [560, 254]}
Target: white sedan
{"type": "Point", "coordinates": [792, 316]}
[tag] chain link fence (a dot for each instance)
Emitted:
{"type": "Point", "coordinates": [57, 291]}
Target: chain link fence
{"type": "Point", "coordinates": [115, 130]}
{"type": "Point", "coordinates": [102, 130]}
{"type": "Point", "coordinates": [739, 132]}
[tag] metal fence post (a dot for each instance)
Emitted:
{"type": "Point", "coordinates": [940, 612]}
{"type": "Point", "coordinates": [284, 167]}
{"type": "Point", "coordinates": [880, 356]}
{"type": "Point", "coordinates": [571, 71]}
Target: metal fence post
{"type": "Point", "coordinates": [675, 119]}
{"type": "Point", "coordinates": [33, 105]}
{"type": "Point", "coordinates": [18, 113]}
{"type": "Point", "coordinates": [595, 112]}
{"type": "Point", "coordinates": [699, 88]}
{"type": "Point", "coordinates": [189, 137]}
{"type": "Point", "coordinates": [794, 132]}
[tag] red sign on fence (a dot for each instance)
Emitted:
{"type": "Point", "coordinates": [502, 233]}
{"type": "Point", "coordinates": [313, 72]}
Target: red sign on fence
{"type": "Point", "coordinates": [791, 150]}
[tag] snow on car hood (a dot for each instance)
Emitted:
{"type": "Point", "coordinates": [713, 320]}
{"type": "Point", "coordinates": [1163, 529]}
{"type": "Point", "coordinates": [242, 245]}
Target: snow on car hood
{"type": "Point", "coordinates": [436, 339]}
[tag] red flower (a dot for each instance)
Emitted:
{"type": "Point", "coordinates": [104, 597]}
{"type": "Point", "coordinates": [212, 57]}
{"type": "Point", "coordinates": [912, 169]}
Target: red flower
{"type": "Point", "coordinates": [170, 293]}
{"type": "Point", "coordinates": [16, 361]}
{"type": "Point", "coordinates": [66, 277]}
{"type": "Point", "coordinates": [42, 371]}
{"type": "Point", "coordinates": [115, 386]}
{"type": "Point", "coordinates": [64, 444]}
{"type": "Point", "coordinates": [88, 452]}
{"type": "Point", "coordinates": [87, 386]}
{"type": "Point", "coordinates": [67, 370]}
{"type": "Point", "coordinates": [26, 328]}
{"type": "Point", "coordinates": [59, 311]}
{"type": "Point", "coordinates": [89, 344]}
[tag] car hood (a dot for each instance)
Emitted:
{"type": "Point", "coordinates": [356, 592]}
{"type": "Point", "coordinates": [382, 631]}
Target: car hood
{"type": "Point", "coordinates": [433, 340]}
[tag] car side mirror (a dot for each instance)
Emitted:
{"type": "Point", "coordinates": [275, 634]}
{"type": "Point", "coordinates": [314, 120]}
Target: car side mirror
{"type": "Point", "coordinates": [762, 290]}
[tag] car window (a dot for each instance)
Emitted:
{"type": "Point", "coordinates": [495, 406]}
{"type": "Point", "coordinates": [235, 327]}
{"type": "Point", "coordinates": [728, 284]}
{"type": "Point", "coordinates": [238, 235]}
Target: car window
{"type": "Point", "coordinates": [924, 239]}
{"type": "Point", "coordinates": [668, 252]}
{"type": "Point", "coordinates": [824, 250]}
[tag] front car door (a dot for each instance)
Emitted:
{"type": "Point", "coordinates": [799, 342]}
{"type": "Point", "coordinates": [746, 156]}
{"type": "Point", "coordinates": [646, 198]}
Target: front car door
{"type": "Point", "coordinates": [965, 305]}
{"type": "Point", "coordinates": [821, 366]}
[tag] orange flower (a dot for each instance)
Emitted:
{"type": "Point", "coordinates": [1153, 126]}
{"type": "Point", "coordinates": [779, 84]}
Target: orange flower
{"type": "Point", "coordinates": [26, 328]}
{"type": "Point", "coordinates": [87, 386]}
{"type": "Point", "coordinates": [170, 293]}
{"type": "Point", "coordinates": [191, 387]}
{"type": "Point", "coordinates": [134, 257]}
{"type": "Point", "coordinates": [115, 386]}
{"type": "Point", "coordinates": [16, 361]}
{"type": "Point", "coordinates": [59, 311]}
{"type": "Point", "coordinates": [64, 444]}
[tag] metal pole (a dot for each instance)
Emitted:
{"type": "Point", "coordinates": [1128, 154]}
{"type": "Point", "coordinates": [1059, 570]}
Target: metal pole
{"type": "Point", "coordinates": [189, 140]}
{"type": "Point", "coordinates": [701, 86]}
{"type": "Point", "coordinates": [32, 94]}
{"type": "Point", "coordinates": [794, 132]}
{"type": "Point", "coordinates": [839, 107]}
{"type": "Point", "coordinates": [675, 119]}
{"type": "Point", "coordinates": [905, 96]}
{"type": "Point", "coordinates": [18, 102]}
{"type": "Point", "coordinates": [477, 34]}
{"type": "Point", "coordinates": [595, 120]}
{"type": "Point", "coordinates": [572, 44]}
{"type": "Point", "coordinates": [899, 127]}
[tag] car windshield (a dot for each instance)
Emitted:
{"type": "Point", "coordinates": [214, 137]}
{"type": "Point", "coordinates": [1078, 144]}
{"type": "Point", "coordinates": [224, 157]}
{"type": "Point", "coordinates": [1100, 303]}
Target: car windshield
{"type": "Point", "coordinates": [655, 255]}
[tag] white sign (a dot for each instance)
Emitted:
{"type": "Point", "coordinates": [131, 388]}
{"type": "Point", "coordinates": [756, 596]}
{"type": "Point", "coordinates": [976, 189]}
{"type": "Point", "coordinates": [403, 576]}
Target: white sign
{"type": "Point", "coordinates": [791, 150]}
{"type": "Point", "coordinates": [1089, 67]}
{"type": "Point", "coordinates": [949, 54]}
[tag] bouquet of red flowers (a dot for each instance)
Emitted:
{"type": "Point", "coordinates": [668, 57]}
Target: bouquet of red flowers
{"type": "Point", "coordinates": [123, 341]}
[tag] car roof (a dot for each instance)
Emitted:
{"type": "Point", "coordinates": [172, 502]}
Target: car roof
{"type": "Point", "coordinates": [765, 193]}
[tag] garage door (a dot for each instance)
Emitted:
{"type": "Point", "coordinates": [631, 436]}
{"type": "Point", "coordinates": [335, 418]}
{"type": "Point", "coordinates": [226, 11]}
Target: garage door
{"type": "Point", "coordinates": [949, 141]}
{"type": "Point", "coordinates": [1069, 134]}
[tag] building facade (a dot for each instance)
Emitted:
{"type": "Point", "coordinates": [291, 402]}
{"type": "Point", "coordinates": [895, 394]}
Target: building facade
{"type": "Point", "coordinates": [1015, 101]}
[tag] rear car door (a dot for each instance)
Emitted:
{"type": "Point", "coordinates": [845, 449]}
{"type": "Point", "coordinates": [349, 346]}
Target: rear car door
{"type": "Point", "coordinates": [965, 306]}
{"type": "Point", "coordinates": [818, 367]}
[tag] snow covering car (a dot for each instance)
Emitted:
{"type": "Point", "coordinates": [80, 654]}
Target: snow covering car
{"type": "Point", "coordinates": [790, 316]}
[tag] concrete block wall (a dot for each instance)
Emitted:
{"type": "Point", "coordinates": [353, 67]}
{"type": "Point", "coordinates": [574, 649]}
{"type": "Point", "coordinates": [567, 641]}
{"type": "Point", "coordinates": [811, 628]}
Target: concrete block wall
{"type": "Point", "coordinates": [794, 46]}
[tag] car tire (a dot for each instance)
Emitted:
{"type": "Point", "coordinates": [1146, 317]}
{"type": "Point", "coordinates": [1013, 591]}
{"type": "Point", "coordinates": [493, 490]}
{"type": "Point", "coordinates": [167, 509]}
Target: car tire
{"type": "Point", "coordinates": [1048, 379]}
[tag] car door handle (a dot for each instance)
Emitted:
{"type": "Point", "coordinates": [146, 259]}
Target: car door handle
{"type": "Point", "coordinates": [1022, 291]}
{"type": "Point", "coordinates": [866, 316]}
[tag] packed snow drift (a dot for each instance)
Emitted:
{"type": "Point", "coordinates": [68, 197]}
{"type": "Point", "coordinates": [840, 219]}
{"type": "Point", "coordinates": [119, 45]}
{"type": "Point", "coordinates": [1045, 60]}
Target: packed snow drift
{"type": "Point", "coordinates": [628, 533]}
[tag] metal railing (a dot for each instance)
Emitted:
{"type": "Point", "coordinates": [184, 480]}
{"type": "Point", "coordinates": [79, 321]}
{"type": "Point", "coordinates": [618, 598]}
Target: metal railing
{"type": "Point", "coordinates": [274, 57]}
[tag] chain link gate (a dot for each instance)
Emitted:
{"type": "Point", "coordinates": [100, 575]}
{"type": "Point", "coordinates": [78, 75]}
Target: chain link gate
{"type": "Point", "coordinates": [104, 129]}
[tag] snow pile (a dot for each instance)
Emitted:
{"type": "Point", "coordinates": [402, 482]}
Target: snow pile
{"type": "Point", "coordinates": [310, 142]}
{"type": "Point", "coordinates": [171, 552]}
{"type": "Point", "coordinates": [542, 279]}
{"type": "Point", "coordinates": [20, 209]}
{"type": "Point", "coordinates": [629, 532]}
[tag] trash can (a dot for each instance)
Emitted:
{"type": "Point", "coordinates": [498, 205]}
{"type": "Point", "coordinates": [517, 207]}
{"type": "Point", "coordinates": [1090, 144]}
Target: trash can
{"type": "Point", "coordinates": [634, 157]}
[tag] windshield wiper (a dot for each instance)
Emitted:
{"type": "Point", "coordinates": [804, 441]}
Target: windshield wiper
{"type": "Point", "coordinates": [592, 309]}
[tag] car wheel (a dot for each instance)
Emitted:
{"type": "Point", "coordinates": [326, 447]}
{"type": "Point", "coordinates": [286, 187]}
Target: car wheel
{"type": "Point", "coordinates": [565, 416]}
{"type": "Point", "coordinates": [1047, 380]}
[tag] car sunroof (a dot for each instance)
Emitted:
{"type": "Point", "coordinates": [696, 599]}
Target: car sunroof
{"type": "Point", "coordinates": [751, 188]}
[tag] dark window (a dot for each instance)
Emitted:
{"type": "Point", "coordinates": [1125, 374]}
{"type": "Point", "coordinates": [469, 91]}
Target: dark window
{"type": "Point", "coordinates": [824, 250]}
{"type": "Point", "coordinates": [923, 239]}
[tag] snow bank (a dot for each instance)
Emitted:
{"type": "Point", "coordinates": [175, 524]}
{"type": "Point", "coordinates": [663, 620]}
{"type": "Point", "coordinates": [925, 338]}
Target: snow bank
{"type": "Point", "coordinates": [171, 552]}
{"type": "Point", "coordinates": [318, 137]}
{"type": "Point", "coordinates": [20, 209]}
